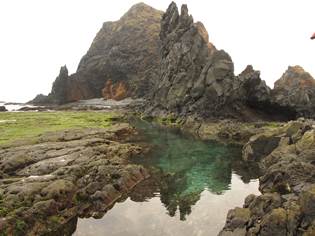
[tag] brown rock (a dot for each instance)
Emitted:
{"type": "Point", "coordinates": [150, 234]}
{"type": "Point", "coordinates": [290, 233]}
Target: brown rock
{"type": "Point", "coordinates": [295, 90]}
{"type": "Point", "coordinates": [125, 52]}
{"type": "Point", "coordinates": [116, 91]}
{"type": "Point", "coordinates": [274, 223]}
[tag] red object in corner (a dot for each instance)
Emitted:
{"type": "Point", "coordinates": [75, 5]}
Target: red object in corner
{"type": "Point", "coordinates": [313, 36]}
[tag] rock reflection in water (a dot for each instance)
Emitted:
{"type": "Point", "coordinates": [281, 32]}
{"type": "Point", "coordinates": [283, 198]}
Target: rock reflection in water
{"type": "Point", "coordinates": [194, 182]}
{"type": "Point", "coordinates": [139, 215]}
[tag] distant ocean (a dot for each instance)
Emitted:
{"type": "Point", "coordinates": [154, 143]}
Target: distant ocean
{"type": "Point", "coordinates": [13, 106]}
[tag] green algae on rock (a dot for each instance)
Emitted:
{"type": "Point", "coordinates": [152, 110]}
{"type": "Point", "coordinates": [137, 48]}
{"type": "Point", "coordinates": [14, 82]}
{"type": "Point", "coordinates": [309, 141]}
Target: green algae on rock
{"type": "Point", "coordinates": [29, 125]}
{"type": "Point", "coordinates": [47, 185]}
{"type": "Point", "coordinates": [286, 206]}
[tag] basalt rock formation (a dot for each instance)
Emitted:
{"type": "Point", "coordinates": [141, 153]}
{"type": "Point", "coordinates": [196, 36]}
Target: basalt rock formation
{"type": "Point", "coordinates": [287, 203]}
{"type": "Point", "coordinates": [169, 60]}
{"type": "Point", "coordinates": [126, 52]}
{"type": "Point", "coordinates": [2, 109]}
{"type": "Point", "coordinates": [197, 79]}
{"type": "Point", "coordinates": [295, 90]}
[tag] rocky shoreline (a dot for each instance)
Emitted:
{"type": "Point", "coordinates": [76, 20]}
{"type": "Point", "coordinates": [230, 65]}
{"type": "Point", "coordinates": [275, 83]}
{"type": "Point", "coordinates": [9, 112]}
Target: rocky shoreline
{"type": "Point", "coordinates": [179, 78]}
{"type": "Point", "coordinates": [287, 203]}
{"type": "Point", "coordinates": [46, 186]}
{"type": "Point", "coordinates": [81, 173]}
{"type": "Point", "coordinates": [285, 154]}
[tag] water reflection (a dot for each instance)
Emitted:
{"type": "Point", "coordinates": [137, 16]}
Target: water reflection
{"type": "Point", "coordinates": [184, 167]}
{"type": "Point", "coordinates": [194, 182]}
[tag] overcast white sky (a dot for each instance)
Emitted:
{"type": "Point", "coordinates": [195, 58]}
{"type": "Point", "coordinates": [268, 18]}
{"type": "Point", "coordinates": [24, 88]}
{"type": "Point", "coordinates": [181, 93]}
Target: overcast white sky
{"type": "Point", "coordinates": [39, 36]}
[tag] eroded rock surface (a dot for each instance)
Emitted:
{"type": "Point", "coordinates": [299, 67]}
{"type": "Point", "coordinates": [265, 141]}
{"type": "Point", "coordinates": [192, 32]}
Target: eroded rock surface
{"type": "Point", "coordinates": [196, 79]}
{"type": "Point", "coordinates": [295, 90]}
{"type": "Point", "coordinates": [66, 174]}
{"type": "Point", "coordinates": [286, 206]}
{"type": "Point", "coordinates": [124, 51]}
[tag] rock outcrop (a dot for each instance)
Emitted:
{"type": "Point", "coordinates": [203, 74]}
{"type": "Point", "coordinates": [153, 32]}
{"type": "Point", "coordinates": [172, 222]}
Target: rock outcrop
{"type": "Point", "coordinates": [295, 90]}
{"type": "Point", "coordinates": [124, 51]}
{"type": "Point", "coordinates": [169, 60]}
{"type": "Point", "coordinates": [197, 79]}
{"type": "Point", "coordinates": [286, 206]}
{"type": "Point", "coordinates": [253, 89]}
{"type": "Point", "coordinates": [3, 109]}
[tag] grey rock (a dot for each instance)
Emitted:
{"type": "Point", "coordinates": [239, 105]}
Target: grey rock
{"type": "Point", "coordinates": [3, 109]}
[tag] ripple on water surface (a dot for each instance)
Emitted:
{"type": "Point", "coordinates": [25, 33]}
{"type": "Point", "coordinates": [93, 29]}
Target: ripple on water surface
{"type": "Point", "coordinates": [193, 185]}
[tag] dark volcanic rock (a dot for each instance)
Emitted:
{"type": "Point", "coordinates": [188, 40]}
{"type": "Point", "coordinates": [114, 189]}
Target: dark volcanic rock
{"type": "Point", "coordinates": [295, 90]}
{"type": "Point", "coordinates": [185, 54]}
{"type": "Point", "coordinates": [2, 109]}
{"type": "Point", "coordinates": [40, 99]}
{"type": "Point", "coordinates": [255, 91]}
{"type": "Point", "coordinates": [124, 52]}
{"type": "Point", "coordinates": [60, 86]}
{"type": "Point", "coordinates": [287, 203]}
{"type": "Point", "coordinates": [197, 79]}
{"type": "Point", "coordinates": [169, 60]}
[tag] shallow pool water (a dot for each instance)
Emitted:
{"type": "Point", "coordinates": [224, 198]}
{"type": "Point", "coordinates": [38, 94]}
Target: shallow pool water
{"type": "Point", "coordinates": [193, 185]}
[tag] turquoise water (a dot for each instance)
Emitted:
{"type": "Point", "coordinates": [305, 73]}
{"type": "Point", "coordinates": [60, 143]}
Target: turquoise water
{"type": "Point", "coordinates": [193, 185]}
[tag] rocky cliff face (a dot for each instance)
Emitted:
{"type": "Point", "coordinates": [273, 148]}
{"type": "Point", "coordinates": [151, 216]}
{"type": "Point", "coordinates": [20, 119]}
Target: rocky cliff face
{"type": "Point", "coordinates": [169, 60]}
{"type": "Point", "coordinates": [197, 79]}
{"type": "Point", "coordinates": [126, 52]}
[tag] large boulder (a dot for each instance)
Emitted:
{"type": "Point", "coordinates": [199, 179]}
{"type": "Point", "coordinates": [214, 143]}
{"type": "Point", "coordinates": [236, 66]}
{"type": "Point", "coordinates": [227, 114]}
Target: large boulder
{"type": "Point", "coordinates": [2, 109]}
{"type": "Point", "coordinates": [254, 90]}
{"type": "Point", "coordinates": [295, 90]}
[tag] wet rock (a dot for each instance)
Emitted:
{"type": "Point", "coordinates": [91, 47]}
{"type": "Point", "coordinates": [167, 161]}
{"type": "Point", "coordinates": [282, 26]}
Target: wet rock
{"type": "Point", "coordinates": [237, 218]}
{"type": "Point", "coordinates": [274, 223]}
{"type": "Point", "coordinates": [264, 204]}
{"type": "Point", "coordinates": [307, 201]}
{"type": "Point", "coordinates": [48, 207]}
{"type": "Point", "coordinates": [260, 146]}
{"type": "Point", "coordinates": [66, 174]}
{"type": "Point", "coordinates": [286, 206]}
{"type": "Point", "coordinates": [58, 189]}
{"type": "Point", "coordinates": [249, 199]}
